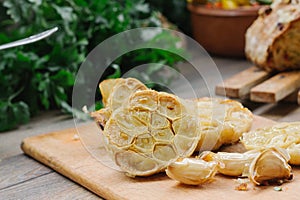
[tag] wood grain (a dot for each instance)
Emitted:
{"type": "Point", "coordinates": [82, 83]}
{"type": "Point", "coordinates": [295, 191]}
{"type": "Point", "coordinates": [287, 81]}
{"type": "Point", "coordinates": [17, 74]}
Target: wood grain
{"type": "Point", "coordinates": [276, 88]}
{"type": "Point", "coordinates": [20, 174]}
{"type": "Point", "coordinates": [18, 169]}
{"type": "Point", "coordinates": [63, 153]}
{"type": "Point", "coordinates": [239, 85]}
{"type": "Point", "coordinates": [50, 186]}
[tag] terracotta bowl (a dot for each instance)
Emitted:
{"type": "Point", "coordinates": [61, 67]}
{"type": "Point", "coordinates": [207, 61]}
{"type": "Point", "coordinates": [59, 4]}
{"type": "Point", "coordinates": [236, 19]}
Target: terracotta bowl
{"type": "Point", "coordinates": [222, 32]}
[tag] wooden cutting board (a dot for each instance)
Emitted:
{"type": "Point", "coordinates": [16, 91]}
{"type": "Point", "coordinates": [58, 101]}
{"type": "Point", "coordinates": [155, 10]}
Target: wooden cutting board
{"type": "Point", "coordinates": [66, 154]}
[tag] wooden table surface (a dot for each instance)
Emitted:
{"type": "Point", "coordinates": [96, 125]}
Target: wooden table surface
{"type": "Point", "coordinates": [24, 178]}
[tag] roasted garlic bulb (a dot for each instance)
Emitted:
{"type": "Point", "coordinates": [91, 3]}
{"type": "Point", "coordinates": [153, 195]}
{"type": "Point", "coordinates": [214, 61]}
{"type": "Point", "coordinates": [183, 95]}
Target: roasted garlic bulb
{"type": "Point", "coordinates": [285, 135]}
{"type": "Point", "coordinates": [221, 122]}
{"type": "Point", "coordinates": [271, 165]}
{"type": "Point", "coordinates": [114, 93]}
{"type": "Point", "coordinates": [231, 164]}
{"type": "Point", "coordinates": [192, 171]}
{"type": "Point", "coordinates": [150, 130]}
{"type": "Point", "coordinates": [144, 130]}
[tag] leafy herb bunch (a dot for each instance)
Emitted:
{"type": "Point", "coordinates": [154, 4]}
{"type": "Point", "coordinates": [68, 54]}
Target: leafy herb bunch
{"type": "Point", "coordinates": [40, 76]}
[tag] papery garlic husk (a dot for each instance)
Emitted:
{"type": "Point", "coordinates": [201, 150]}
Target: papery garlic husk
{"type": "Point", "coordinates": [271, 165]}
{"type": "Point", "coordinates": [231, 164]}
{"type": "Point", "coordinates": [192, 171]}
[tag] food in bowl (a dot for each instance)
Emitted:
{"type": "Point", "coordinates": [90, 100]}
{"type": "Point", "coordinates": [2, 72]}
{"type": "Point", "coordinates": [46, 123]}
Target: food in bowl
{"type": "Point", "coordinates": [231, 4]}
{"type": "Point", "coordinates": [222, 31]}
{"type": "Point", "coordinates": [220, 25]}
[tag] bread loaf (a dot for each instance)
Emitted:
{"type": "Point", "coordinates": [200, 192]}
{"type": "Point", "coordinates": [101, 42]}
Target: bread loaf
{"type": "Point", "coordinates": [273, 40]}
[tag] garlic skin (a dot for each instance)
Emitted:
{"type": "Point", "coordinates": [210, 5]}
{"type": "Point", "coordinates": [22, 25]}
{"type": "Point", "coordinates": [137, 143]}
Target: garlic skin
{"type": "Point", "coordinates": [192, 171]}
{"type": "Point", "coordinates": [271, 165]}
{"type": "Point", "coordinates": [231, 164]}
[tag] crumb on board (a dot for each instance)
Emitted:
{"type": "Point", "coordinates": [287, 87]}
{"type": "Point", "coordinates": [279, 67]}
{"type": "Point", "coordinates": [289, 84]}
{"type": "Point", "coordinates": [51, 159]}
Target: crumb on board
{"type": "Point", "coordinates": [242, 184]}
{"type": "Point", "coordinates": [242, 187]}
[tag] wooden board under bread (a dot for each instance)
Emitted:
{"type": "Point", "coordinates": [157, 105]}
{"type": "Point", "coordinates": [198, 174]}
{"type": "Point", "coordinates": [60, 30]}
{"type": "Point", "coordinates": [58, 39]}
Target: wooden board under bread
{"type": "Point", "coordinates": [65, 153]}
{"type": "Point", "coordinates": [261, 86]}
